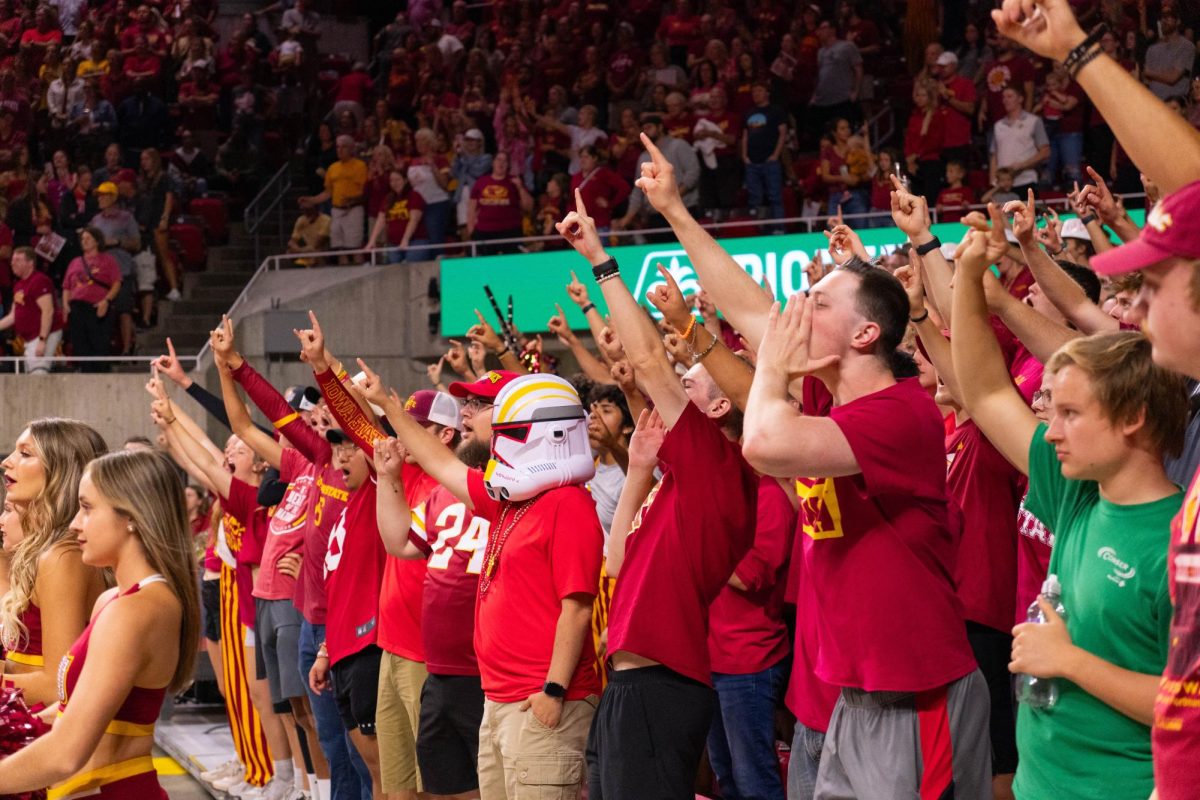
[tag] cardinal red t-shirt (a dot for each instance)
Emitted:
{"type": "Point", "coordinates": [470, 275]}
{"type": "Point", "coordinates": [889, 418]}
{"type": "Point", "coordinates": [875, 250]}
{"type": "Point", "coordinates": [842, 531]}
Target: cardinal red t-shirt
{"type": "Point", "coordinates": [951, 202]}
{"type": "Point", "coordinates": [879, 551]}
{"type": "Point", "coordinates": [1176, 733]}
{"type": "Point", "coordinates": [27, 315]}
{"type": "Point", "coordinates": [988, 491]}
{"type": "Point", "coordinates": [400, 597]}
{"type": "Point", "coordinates": [454, 541]}
{"type": "Point", "coordinates": [957, 129]}
{"type": "Point", "coordinates": [683, 545]}
{"type": "Point", "coordinates": [246, 525]}
{"type": "Point", "coordinates": [353, 574]}
{"type": "Point", "coordinates": [499, 206]}
{"type": "Point", "coordinates": [554, 551]}
{"type": "Point", "coordinates": [1034, 544]}
{"type": "Point", "coordinates": [998, 76]}
{"type": "Point", "coordinates": [285, 534]}
{"type": "Point", "coordinates": [746, 633]}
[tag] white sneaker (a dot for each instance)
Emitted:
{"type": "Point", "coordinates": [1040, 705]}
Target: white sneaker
{"type": "Point", "coordinates": [227, 783]}
{"type": "Point", "coordinates": [281, 790]}
{"type": "Point", "coordinates": [231, 767]}
{"type": "Point", "coordinates": [252, 793]}
{"type": "Point", "coordinates": [174, 295]}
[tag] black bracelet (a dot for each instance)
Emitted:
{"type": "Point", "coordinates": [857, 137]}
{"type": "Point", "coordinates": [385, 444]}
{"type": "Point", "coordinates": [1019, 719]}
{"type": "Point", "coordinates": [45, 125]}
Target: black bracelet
{"type": "Point", "coordinates": [588, 307]}
{"type": "Point", "coordinates": [500, 353]}
{"type": "Point", "coordinates": [1078, 66]}
{"type": "Point", "coordinates": [601, 271]}
{"type": "Point", "coordinates": [1081, 49]}
{"type": "Point", "coordinates": [920, 319]}
{"type": "Point", "coordinates": [1088, 220]}
{"type": "Point", "coordinates": [928, 247]}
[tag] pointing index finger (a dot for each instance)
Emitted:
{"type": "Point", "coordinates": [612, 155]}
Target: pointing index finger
{"type": "Point", "coordinates": [171, 349]}
{"type": "Point", "coordinates": [655, 154]}
{"type": "Point", "coordinates": [579, 206]}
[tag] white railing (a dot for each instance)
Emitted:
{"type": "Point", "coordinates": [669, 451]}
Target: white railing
{"type": "Point", "coordinates": [268, 199]}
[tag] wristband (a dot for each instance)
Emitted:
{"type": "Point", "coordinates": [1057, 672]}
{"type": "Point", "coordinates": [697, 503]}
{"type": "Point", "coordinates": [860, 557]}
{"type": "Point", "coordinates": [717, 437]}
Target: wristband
{"type": "Point", "coordinates": [588, 308]}
{"type": "Point", "coordinates": [1074, 60]}
{"type": "Point", "coordinates": [608, 277]}
{"type": "Point", "coordinates": [1078, 66]}
{"type": "Point", "coordinates": [605, 270]}
{"type": "Point", "coordinates": [555, 690]}
{"type": "Point", "coordinates": [928, 247]}
{"type": "Point", "coordinates": [1088, 220]}
{"type": "Point", "coordinates": [687, 332]}
{"type": "Point", "coordinates": [920, 319]}
{"type": "Point", "coordinates": [500, 353]}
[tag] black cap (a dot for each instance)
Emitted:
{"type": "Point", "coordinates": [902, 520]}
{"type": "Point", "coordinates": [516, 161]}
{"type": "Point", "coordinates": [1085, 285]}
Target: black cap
{"type": "Point", "coordinates": [336, 436]}
{"type": "Point", "coordinates": [303, 398]}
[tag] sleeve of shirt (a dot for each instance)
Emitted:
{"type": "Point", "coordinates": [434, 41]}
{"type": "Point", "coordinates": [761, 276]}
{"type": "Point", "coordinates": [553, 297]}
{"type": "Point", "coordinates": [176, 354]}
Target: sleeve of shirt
{"type": "Point", "coordinates": [577, 545]}
{"type": "Point", "coordinates": [1039, 134]}
{"type": "Point", "coordinates": [888, 453]}
{"type": "Point", "coordinates": [1047, 486]}
{"type": "Point", "coordinates": [484, 505]}
{"type": "Point", "coordinates": [349, 416]}
{"type": "Point", "coordinates": [775, 526]}
{"type": "Point", "coordinates": [417, 534]}
{"type": "Point", "coordinates": [288, 422]}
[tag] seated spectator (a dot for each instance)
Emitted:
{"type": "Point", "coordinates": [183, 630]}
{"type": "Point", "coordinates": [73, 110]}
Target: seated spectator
{"type": "Point", "coordinates": [400, 218]}
{"type": "Point", "coordinates": [92, 283]}
{"type": "Point", "coordinates": [497, 205]}
{"type": "Point", "coordinates": [198, 97]}
{"type": "Point", "coordinates": [310, 234]}
{"type": "Point", "coordinates": [192, 164]}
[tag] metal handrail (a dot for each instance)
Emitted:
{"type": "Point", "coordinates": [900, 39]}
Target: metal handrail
{"type": "Point", "coordinates": [270, 198]}
{"type": "Point", "coordinates": [19, 361]}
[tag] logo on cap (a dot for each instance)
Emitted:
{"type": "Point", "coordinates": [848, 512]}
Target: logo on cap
{"type": "Point", "coordinates": [493, 377]}
{"type": "Point", "coordinates": [410, 403]}
{"type": "Point", "coordinates": [1158, 219]}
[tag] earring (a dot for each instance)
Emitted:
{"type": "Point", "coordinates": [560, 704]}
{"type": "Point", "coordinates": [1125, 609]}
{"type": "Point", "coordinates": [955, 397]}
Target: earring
{"type": "Point", "coordinates": [129, 527]}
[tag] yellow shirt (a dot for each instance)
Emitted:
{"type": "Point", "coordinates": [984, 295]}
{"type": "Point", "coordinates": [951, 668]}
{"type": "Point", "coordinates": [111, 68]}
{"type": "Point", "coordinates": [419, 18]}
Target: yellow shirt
{"type": "Point", "coordinates": [88, 67]}
{"type": "Point", "coordinates": [346, 181]}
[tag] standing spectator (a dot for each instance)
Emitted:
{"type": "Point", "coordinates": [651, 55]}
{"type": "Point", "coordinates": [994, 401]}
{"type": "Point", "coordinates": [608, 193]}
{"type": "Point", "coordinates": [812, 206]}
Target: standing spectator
{"type": "Point", "coordinates": [401, 218]}
{"type": "Point", "coordinates": [92, 282]}
{"type": "Point", "coordinates": [1169, 61]}
{"type": "Point", "coordinates": [923, 143]}
{"type": "Point", "coordinates": [603, 190]}
{"type": "Point", "coordinates": [687, 176]}
{"type": "Point", "coordinates": [34, 316]}
{"type": "Point", "coordinates": [310, 234]}
{"type": "Point", "coordinates": [839, 73]}
{"type": "Point", "coordinates": [470, 163]}
{"type": "Point", "coordinates": [1007, 70]}
{"type": "Point", "coordinates": [763, 134]}
{"type": "Point", "coordinates": [624, 67]}
{"type": "Point", "coordinates": [678, 120]}
{"type": "Point", "coordinates": [429, 174]}
{"type": "Point", "coordinates": [973, 53]}
{"type": "Point", "coordinates": [679, 29]}
{"type": "Point", "coordinates": [237, 165]}
{"type": "Point", "coordinates": [952, 201]}
{"type": "Point", "coordinates": [75, 210]}
{"type": "Point", "coordinates": [122, 239]}
{"type": "Point", "coordinates": [1062, 114]}
{"type": "Point", "coordinates": [92, 121]}
{"type": "Point", "coordinates": [720, 161]}
{"type": "Point", "coordinates": [585, 133]}
{"type": "Point", "coordinates": [345, 188]}
{"type": "Point", "coordinates": [958, 93]}
{"type": "Point", "coordinates": [844, 193]}
{"type": "Point", "coordinates": [497, 204]}
{"type": "Point", "coordinates": [1019, 143]}
{"type": "Point", "coordinates": [156, 202]}
{"type": "Point", "coordinates": [352, 91]}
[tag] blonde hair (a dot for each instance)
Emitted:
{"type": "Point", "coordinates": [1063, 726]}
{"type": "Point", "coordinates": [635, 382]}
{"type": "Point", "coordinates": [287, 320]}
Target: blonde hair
{"type": "Point", "coordinates": [1127, 382]}
{"type": "Point", "coordinates": [64, 446]}
{"type": "Point", "coordinates": [143, 486]}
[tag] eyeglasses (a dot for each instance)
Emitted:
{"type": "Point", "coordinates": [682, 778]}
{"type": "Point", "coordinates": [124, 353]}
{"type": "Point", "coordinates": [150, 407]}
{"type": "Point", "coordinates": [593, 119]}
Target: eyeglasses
{"type": "Point", "coordinates": [476, 404]}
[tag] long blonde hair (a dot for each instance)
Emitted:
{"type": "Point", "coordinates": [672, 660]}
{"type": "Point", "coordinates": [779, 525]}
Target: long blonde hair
{"type": "Point", "coordinates": [64, 446]}
{"type": "Point", "coordinates": [143, 486]}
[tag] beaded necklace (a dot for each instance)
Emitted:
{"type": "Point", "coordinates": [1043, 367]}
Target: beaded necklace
{"type": "Point", "coordinates": [491, 559]}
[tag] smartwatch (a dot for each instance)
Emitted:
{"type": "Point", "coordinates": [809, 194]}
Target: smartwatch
{"type": "Point", "coordinates": [555, 690]}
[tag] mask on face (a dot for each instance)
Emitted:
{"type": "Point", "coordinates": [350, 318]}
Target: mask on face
{"type": "Point", "coordinates": [539, 439]}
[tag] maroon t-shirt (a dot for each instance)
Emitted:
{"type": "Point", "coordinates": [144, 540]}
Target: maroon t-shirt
{"type": "Point", "coordinates": [89, 280]}
{"type": "Point", "coordinates": [499, 207]}
{"type": "Point", "coordinates": [746, 633]}
{"type": "Point", "coordinates": [952, 202]}
{"type": "Point", "coordinates": [684, 543]}
{"type": "Point", "coordinates": [285, 534]}
{"type": "Point", "coordinates": [957, 127]}
{"type": "Point", "coordinates": [996, 76]}
{"type": "Point", "coordinates": [988, 491]}
{"type": "Point", "coordinates": [1034, 544]}
{"type": "Point", "coordinates": [879, 549]}
{"type": "Point", "coordinates": [27, 315]}
{"type": "Point", "coordinates": [246, 525]}
{"type": "Point", "coordinates": [398, 210]}
{"type": "Point", "coordinates": [454, 541]}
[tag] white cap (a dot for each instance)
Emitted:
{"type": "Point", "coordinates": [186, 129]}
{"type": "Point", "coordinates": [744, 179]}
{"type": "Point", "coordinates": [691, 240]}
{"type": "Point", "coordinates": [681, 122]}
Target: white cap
{"type": "Point", "coordinates": [947, 58]}
{"type": "Point", "coordinates": [474, 133]}
{"type": "Point", "coordinates": [1075, 229]}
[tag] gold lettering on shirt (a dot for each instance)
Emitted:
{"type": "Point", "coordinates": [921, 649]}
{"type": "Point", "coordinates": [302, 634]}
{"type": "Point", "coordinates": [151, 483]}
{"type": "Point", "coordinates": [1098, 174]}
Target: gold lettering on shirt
{"type": "Point", "coordinates": [820, 515]}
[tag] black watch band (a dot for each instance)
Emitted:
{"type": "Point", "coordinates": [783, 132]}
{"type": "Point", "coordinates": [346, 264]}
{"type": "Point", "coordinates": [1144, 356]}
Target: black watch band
{"type": "Point", "coordinates": [928, 247]}
{"type": "Point", "coordinates": [605, 269]}
{"type": "Point", "coordinates": [555, 690]}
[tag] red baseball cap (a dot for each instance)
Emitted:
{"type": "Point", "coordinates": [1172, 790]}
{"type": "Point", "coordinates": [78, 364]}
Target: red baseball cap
{"type": "Point", "coordinates": [1172, 231]}
{"type": "Point", "coordinates": [126, 176]}
{"type": "Point", "coordinates": [488, 386]}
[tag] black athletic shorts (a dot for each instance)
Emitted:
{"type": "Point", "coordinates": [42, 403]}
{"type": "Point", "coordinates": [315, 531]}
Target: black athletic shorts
{"type": "Point", "coordinates": [993, 652]}
{"type": "Point", "coordinates": [356, 688]}
{"type": "Point", "coordinates": [210, 601]}
{"type": "Point", "coordinates": [448, 737]}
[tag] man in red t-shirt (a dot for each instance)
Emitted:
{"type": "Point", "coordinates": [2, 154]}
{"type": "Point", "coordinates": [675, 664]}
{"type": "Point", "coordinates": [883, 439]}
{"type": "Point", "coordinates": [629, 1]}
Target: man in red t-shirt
{"type": "Point", "coordinates": [33, 316]}
{"type": "Point", "coordinates": [958, 94]}
{"type": "Point", "coordinates": [539, 576]}
{"type": "Point", "coordinates": [1007, 69]}
{"type": "Point", "coordinates": [875, 516]}
{"type": "Point", "coordinates": [496, 206]}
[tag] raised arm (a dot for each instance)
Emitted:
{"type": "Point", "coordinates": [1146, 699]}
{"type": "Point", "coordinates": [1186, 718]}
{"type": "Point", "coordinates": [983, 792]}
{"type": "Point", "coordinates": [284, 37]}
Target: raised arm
{"type": "Point", "coordinates": [579, 296]}
{"type": "Point", "coordinates": [593, 367]}
{"type": "Point", "coordinates": [199, 451]}
{"type": "Point", "coordinates": [936, 346]}
{"type": "Point", "coordinates": [1040, 335]}
{"type": "Point", "coordinates": [637, 332]}
{"type": "Point", "coordinates": [647, 437]}
{"type": "Point", "coordinates": [910, 212]}
{"type": "Point", "coordinates": [732, 289]}
{"type": "Point", "coordinates": [392, 511]}
{"type": "Point", "coordinates": [989, 397]}
{"type": "Point", "coordinates": [1162, 143]}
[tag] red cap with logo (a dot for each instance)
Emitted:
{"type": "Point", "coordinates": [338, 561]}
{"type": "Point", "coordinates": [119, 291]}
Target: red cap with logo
{"type": "Point", "coordinates": [488, 386]}
{"type": "Point", "coordinates": [1172, 231]}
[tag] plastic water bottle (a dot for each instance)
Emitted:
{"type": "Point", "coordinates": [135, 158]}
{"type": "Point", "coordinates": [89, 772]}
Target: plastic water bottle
{"type": "Point", "coordinates": [1042, 692]}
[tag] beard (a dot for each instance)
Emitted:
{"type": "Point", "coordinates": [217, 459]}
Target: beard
{"type": "Point", "coordinates": [474, 454]}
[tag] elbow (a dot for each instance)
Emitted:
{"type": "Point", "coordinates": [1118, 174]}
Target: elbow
{"type": "Point", "coordinates": [757, 450]}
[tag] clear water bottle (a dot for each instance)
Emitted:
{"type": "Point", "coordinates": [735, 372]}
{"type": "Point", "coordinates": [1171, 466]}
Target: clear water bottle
{"type": "Point", "coordinates": [1042, 692]}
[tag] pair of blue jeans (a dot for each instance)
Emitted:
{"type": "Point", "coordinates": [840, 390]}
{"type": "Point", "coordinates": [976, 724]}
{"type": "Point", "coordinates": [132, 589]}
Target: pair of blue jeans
{"type": "Point", "coordinates": [764, 184]}
{"type": "Point", "coordinates": [807, 745]}
{"type": "Point", "coordinates": [741, 741]}
{"type": "Point", "coordinates": [349, 777]}
{"type": "Point", "coordinates": [1066, 154]}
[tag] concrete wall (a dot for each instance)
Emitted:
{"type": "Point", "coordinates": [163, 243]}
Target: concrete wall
{"type": "Point", "coordinates": [116, 405]}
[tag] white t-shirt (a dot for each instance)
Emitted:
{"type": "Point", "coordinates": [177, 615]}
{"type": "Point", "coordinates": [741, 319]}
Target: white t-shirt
{"type": "Point", "coordinates": [580, 138]}
{"type": "Point", "coordinates": [1019, 140]}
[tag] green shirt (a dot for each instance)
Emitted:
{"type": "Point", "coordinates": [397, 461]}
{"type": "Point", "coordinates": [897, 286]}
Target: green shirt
{"type": "Point", "coordinates": [1112, 563]}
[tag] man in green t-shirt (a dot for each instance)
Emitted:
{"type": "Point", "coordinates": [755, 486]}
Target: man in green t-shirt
{"type": "Point", "coordinates": [1096, 479]}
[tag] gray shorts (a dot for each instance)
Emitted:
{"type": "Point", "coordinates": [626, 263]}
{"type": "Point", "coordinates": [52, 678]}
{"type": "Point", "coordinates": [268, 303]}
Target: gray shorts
{"type": "Point", "coordinates": [907, 746]}
{"type": "Point", "coordinates": [277, 623]}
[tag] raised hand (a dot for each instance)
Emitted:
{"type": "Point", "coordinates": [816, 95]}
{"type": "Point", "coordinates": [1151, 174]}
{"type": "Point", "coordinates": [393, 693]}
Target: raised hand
{"type": "Point", "coordinates": [705, 307]}
{"type": "Point", "coordinates": [221, 339]}
{"type": "Point", "coordinates": [577, 291]}
{"type": "Point", "coordinates": [610, 345]}
{"type": "Point", "coordinates": [623, 374]}
{"type": "Point", "coordinates": [910, 278]}
{"type": "Point", "coordinates": [456, 357]}
{"type": "Point", "coordinates": [559, 327]}
{"type": "Point", "coordinates": [971, 259]}
{"type": "Point", "coordinates": [434, 371]}
{"type": "Point", "coordinates": [668, 299]}
{"type": "Point", "coordinates": [169, 365]}
{"type": "Point", "coordinates": [646, 440]}
{"type": "Point", "coordinates": [477, 355]}
{"type": "Point", "coordinates": [677, 347]}
{"type": "Point", "coordinates": [370, 386]}
{"type": "Point", "coordinates": [816, 269]}
{"type": "Point", "coordinates": [909, 211]}
{"type": "Point", "coordinates": [485, 334]}
{"type": "Point", "coordinates": [312, 344]}
{"type": "Point", "coordinates": [1097, 196]}
{"type": "Point", "coordinates": [580, 230]}
{"type": "Point", "coordinates": [785, 345]}
{"type": "Point", "coordinates": [1081, 208]}
{"type": "Point", "coordinates": [389, 457]}
{"type": "Point", "coordinates": [1024, 223]}
{"type": "Point", "coordinates": [658, 180]}
{"type": "Point", "coordinates": [154, 386]}
{"type": "Point", "coordinates": [1047, 27]}
{"type": "Point", "coordinates": [1049, 236]}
